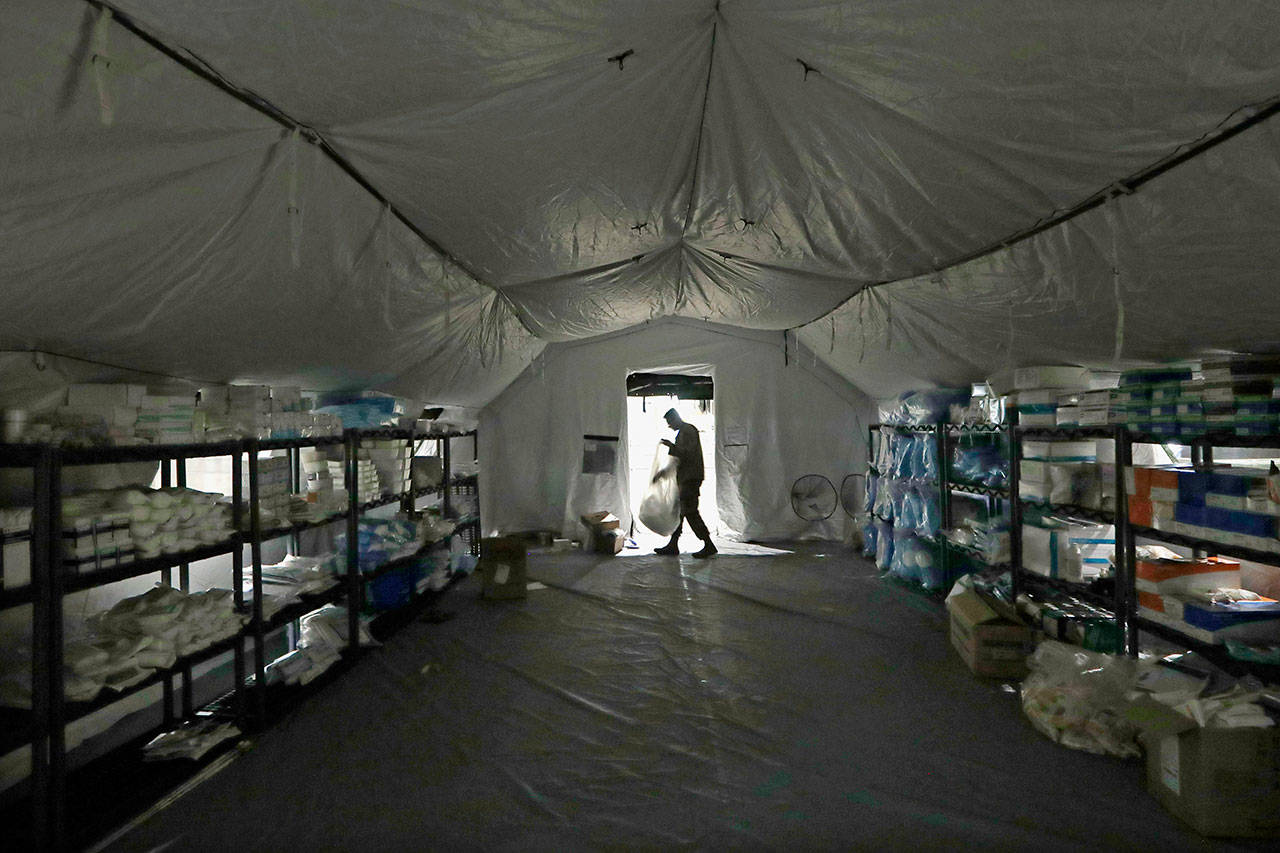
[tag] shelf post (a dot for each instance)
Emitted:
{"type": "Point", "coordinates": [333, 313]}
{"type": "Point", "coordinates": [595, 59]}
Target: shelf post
{"type": "Point", "coordinates": [255, 550]}
{"type": "Point", "coordinates": [43, 536]}
{"type": "Point", "coordinates": [355, 588]}
{"type": "Point", "coordinates": [1126, 581]}
{"type": "Point", "coordinates": [1015, 513]}
{"type": "Point", "coordinates": [57, 693]}
{"type": "Point", "coordinates": [237, 573]}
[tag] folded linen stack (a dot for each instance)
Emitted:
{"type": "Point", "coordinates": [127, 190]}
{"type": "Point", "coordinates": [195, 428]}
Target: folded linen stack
{"type": "Point", "coordinates": [168, 521]}
{"type": "Point", "coordinates": [129, 642]}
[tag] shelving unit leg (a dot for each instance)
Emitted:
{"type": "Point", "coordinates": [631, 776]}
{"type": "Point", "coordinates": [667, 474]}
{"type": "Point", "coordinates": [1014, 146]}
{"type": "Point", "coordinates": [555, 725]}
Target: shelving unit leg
{"type": "Point", "coordinates": [42, 570]}
{"type": "Point", "coordinates": [355, 588]}
{"type": "Point", "coordinates": [57, 806]}
{"type": "Point", "coordinates": [255, 550]}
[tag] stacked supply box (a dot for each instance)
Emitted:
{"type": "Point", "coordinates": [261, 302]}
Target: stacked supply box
{"type": "Point", "coordinates": [1147, 401]}
{"type": "Point", "coordinates": [1219, 504]}
{"type": "Point", "coordinates": [1067, 548]}
{"type": "Point", "coordinates": [167, 419]}
{"type": "Point", "coordinates": [1084, 408]}
{"type": "Point", "coordinates": [322, 490]}
{"type": "Point", "coordinates": [15, 547]}
{"type": "Point", "coordinates": [1062, 472]}
{"type": "Point", "coordinates": [394, 461]}
{"type": "Point", "coordinates": [113, 408]}
{"type": "Point", "coordinates": [989, 645]}
{"type": "Point", "coordinates": [1039, 388]}
{"type": "Point", "coordinates": [236, 411]}
{"type": "Point", "coordinates": [367, 488]}
{"type": "Point", "coordinates": [1237, 394]}
{"type": "Point", "coordinates": [274, 473]}
{"type": "Point", "coordinates": [1200, 598]}
{"type": "Point", "coordinates": [1068, 619]}
{"type": "Point", "coordinates": [95, 534]}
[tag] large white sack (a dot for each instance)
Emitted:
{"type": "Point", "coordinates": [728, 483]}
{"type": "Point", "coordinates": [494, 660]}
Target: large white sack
{"type": "Point", "coordinates": [660, 508]}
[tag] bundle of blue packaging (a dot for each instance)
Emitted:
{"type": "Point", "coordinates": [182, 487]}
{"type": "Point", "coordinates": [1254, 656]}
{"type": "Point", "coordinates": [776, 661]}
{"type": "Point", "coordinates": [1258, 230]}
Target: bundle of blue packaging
{"type": "Point", "coordinates": [359, 412]}
{"type": "Point", "coordinates": [382, 540]}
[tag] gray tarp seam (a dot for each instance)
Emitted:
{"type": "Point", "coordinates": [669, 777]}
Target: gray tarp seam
{"type": "Point", "coordinates": [204, 70]}
{"type": "Point", "coordinates": [1265, 109]}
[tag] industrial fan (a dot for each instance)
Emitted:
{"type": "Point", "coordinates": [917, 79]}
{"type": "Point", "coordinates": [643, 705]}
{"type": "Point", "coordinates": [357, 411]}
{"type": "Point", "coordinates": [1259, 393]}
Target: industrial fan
{"type": "Point", "coordinates": [851, 489]}
{"type": "Point", "coordinates": [813, 498]}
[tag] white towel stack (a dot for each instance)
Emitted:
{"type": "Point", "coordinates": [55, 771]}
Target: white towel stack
{"type": "Point", "coordinates": [129, 642]}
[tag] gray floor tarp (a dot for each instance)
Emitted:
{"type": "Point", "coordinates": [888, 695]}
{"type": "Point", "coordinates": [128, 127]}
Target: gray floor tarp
{"type": "Point", "coordinates": [785, 698]}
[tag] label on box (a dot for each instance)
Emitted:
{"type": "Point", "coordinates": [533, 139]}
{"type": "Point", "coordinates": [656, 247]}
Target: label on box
{"type": "Point", "coordinates": [1170, 764]}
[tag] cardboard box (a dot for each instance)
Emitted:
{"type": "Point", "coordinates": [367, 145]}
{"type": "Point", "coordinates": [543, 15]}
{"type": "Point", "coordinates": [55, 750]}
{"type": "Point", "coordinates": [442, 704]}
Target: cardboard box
{"type": "Point", "coordinates": [603, 520]}
{"type": "Point", "coordinates": [989, 645]}
{"type": "Point", "coordinates": [503, 567]}
{"type": "Point", "coordinates": [604, 535]}
{"type": "Point", "coordinates": [1221, 782]}
{"type": "Point", "coordinates": [1164, 577]}
{"type": "Point", "coordinates": [1050, 376]}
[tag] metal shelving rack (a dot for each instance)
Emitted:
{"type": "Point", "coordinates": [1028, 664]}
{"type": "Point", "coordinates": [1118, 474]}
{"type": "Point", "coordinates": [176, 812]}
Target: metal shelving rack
{"type": "Point", "coordinates": [948, 435]}
{"type": "Point", "coordinates": [43, 728]}
{"type": "Point", "coordinates": [1201, 456]}
{"type": "Point", "coordinates": [1120, 604]}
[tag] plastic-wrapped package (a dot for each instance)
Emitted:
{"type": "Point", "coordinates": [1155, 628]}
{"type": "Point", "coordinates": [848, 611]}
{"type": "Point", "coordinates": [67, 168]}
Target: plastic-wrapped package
{"type": "Point", "coordinates": [923, 407]}
{"type": "Point", "coordinates": [884, 545]}
{"type": "Point", "coordinates": [928, 512]}
{"type": "Point", "coordinates": [871, 489]}
{"type": "Point", "coordinates": [903, 563]}
{"type": "Point", "coordinates": [931, 572]}
{"type": "Point", "coordinates": [1077, 697]}
{"type": "Point", "coordinates": [907, 513]}
{"type": "Point", "coordinates": [869, 536]}
{"type": "Point", "coordinates": [927, 456]}
{"type": "Point", "coordinates": [902, 448]}
{"type": "Point", "coordinates": [883, 506]}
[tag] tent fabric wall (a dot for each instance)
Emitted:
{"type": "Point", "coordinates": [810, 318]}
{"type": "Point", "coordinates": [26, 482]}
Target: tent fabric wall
{"type": "Point", "coordinates": [1184, 265]}
{"type": "Point", "coordinates": [794, 414]}
{"type": "Point", "coordinates": [152, 221]}
{"type": "Point", "coordinates": [751, 162]}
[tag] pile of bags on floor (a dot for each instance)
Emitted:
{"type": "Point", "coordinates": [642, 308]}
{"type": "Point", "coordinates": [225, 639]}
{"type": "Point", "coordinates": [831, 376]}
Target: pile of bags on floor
{"type": "Point", "coordinates": [1097, 702]}
{"type": "Point", "coordinates": [129, 642]}
{"type": "Point", "coordinates": [192, 741]}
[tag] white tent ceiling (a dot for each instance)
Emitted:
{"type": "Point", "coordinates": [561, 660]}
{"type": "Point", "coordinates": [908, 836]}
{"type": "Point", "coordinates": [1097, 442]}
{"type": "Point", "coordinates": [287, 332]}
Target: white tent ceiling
{"type": "Point", "coordinates": [476, 178]}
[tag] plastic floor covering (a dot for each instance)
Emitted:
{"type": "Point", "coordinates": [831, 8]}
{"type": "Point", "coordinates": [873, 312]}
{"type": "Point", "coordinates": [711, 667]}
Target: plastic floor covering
{"type": "Point", "coordinates": [768, 698]}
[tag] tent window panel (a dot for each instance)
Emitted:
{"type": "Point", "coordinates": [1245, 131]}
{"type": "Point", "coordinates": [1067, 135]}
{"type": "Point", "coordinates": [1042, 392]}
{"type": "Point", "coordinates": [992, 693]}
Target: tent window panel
{"type": "Point", "coordinates": [599, 454]}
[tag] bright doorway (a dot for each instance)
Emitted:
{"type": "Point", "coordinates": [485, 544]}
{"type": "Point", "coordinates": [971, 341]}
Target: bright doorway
{"type": "Point", "coordinates": [645, 428]}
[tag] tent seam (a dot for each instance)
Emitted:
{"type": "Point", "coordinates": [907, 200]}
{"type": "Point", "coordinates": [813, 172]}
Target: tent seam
{"type": "Point", "coordinates": [207, 72]}
{"type": "Point", "coordinates": [1266, 108]}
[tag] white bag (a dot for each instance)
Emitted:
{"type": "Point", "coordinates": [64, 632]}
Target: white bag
{"type": "Point", "coordinates": [660, 509]}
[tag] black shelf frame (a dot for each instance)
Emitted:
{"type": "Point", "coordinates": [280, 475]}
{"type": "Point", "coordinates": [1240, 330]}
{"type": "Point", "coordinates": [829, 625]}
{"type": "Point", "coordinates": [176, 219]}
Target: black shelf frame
{"type": "Point", "coordinates": [43, 727]}
{"type": "Point", "coordinates": [1122, 603]}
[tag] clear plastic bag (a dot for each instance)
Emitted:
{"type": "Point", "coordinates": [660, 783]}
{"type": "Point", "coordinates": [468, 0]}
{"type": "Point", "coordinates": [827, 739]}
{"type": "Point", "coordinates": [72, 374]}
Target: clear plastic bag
{"type": "Point", "coordinates": [1077, 698]}
{"type": "Point", "coordinates": [660, 507]}
{"type": "Point", "coordinates": [884, 545]}
{"type": "Point", "coordinates": [869, 536]}
{"type": "Point", "coordinates": [928, 512]}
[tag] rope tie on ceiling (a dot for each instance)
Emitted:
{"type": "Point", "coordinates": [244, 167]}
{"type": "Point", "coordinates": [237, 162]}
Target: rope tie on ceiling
{"type": "Point", "coordinates": [1117, 283]}
{"type": "Point", "coordinates": [862, 324]}
{"type": "Point", "coordinates": [101, 64]}
{"type": "Point", "coordinates": [295, 214]}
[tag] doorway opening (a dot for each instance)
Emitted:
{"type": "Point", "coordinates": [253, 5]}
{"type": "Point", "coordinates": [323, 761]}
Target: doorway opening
{"type": "Point", "coordinates": [649, 396]}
